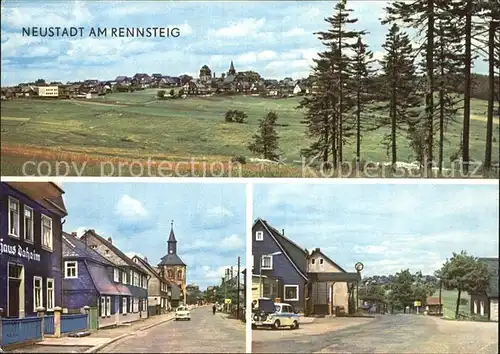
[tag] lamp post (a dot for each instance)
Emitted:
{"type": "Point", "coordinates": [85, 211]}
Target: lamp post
{"type": "Point", "coordinates": [260, 268]}
{"type": "Point", "coordinates": [359, 267]}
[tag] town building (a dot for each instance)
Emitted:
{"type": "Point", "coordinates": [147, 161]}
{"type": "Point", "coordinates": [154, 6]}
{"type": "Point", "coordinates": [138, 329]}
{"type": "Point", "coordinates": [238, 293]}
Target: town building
{"type": "Point", "coordinates": [172, 268]}
{"type": "Point", "coordinates": [286, 272]}
{"type": "Point", "coordinates": [30, 247]}
{"type": "Point", "coordinates": [48, 91]}
{"type": "Point", "coordinates": [128, 273]}
{"type": "Point", "coordinates": [161, 292]}
{"type": "Point", "coordinates": [486, 303]}
{"type": "Point", "coordinates": [91, 280]}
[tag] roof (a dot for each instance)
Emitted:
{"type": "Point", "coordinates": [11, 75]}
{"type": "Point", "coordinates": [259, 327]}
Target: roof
{"type": "Point", "coordinates": [103, 283]}
{"type": "Point", "coordinates": [171, 259]}
{"type": "Point", "coordinates": [317, 250]}
{"type": "Point", "coordinates": [432, 300]}
{"type": "Point", "coordinates": [149, 267]}
{"type": "Point", "coordinates": [340, 277]}
{"type": "Point", "coordinates": [47, 194]}
{"type": "Point", "coordinates": [115, 249]}
{"type": "Point", "coordinates": [74, 247]}
{"type": "Point", "coordinates": [492, 264]}
{"type": "Point", "coordinates": [294, 252]}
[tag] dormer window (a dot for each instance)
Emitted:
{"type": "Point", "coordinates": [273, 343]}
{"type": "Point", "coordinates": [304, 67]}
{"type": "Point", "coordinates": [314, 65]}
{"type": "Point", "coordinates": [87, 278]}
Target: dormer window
{"type": "Point", "coordinates": [321, 261]}
{"type": "Point", "coordinates": [259, 236]}
{"type": "Point", "coordinates": [313, 261]}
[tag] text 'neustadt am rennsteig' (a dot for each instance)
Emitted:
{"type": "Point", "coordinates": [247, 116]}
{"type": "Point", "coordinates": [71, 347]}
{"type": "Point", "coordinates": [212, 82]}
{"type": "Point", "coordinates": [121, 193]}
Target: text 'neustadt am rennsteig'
{"type": "Point", "coordinates": [138, 32]}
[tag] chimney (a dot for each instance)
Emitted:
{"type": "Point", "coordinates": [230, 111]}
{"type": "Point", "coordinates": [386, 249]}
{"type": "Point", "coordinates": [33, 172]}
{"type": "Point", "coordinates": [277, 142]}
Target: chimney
{"type": "Point", "coordinates": [146, 259]}
{"type": "Point", "coordinates": [110, 240]}
{"type": "Point", "coordinates": [74, 234]}
{"type": "Point", "coordinates": [317, 250]}
{"type": "Point", "coordinates": [92, 230]}
{"type": "Point", "coordinates": [283, 232]}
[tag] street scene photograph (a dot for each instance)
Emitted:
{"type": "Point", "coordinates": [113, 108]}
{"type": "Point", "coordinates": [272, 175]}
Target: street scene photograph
{"type": "Point", "coordinates": [306, 89]}
{"type": "Point", "coordinates": [375, 268]}
{"type": "Point", "coordinates": [122, 267]}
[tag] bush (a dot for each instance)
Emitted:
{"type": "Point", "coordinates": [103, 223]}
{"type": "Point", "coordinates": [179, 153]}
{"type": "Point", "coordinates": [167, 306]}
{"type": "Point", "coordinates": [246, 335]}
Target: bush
{"type": "Point", "coordinates": [235, 116]}
{"type": "Point", "coordinates": [160, 94]}
{"type": "Point", "coordinates": [239, 159]}
{"type": "Point", "coordinates": [172, 92]}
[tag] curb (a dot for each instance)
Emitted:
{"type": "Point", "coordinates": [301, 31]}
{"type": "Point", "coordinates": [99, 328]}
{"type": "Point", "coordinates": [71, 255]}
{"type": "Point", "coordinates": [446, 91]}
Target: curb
{"type": "Point", "coordinates": [97, 348]}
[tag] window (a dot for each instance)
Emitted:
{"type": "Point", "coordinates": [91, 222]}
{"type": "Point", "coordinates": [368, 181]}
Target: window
{"type": "Point", "coordinates": [313, 261]}
{"type": "Point", "coordinates": [481, 308]}
{"type": "Point", "coordinates": [46, 232]}
{"type": "Point", "coordinates": [267, 262]}
{"type": "Point", "coordinates": [108, 306]}
{"type": "Point", "coordinates": [37, 292]}
{"type": "Point", "coordinates": [70, 269]}
{"type": "Point", "coordinates": [28, 224]}
{"type": "Point", "coordinates": [179, 274]}
{"type": "Point", "coordinates": [13, 217]}
{"type": "Point", "coordinates": [131, 277]}
{"type": "Point", "coordinates": [116, 275]}
{"type": "Point", "coordinates": [291, 293]}
{"type": "Point", "coordinates": [321, 261]}
{"type": "Point", "coordinates": [475, 307]}
{"type": "Point", "coordinates": [170, 273]}
{"type": "Point", "coordinates": [50, 294]}
{"type": "Point", "coordinates": [105, 308]}
{"type": "Point", "coordinates": [124, 304]}
{"type": "Point", "coordinates": [144, 306]}
{"type": "Point", "coordinates": [124, 277]}
{"type": "Point", "coordinates": [135, 304]}
{"type": "Point", "coordinates": [136, 279]}
{"type": "Point", "coordinates": [259, 236]}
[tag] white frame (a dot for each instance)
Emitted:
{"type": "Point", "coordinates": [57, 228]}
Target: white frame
{"type": "Point", "coordinates": [35, 278]}
{"type": "Point", "coordinates": [47, 247]}
{"type": "Point", "coordinates": [15, 201]}
{"type": "Point", "coordinates": [102, 308]}
{"type": "Point", "coordinates": [259, 235]}
{"type": "Point", "coordinates": [66, 270]}
{"type": "Point", "coordinates": [116, 275]}
{"type": "Point", "coordinates": [124, 305]}
{"type": "Point", "coordinates": [32, 239]}
{"type": "Point", "coordinates": [290, 286]}
{"type": "Point", "coordinates": [108, 306]}
{"type": "Point", "coordinates": [262, 262]}
{"type": "Point", "coordinates": [53, 296]}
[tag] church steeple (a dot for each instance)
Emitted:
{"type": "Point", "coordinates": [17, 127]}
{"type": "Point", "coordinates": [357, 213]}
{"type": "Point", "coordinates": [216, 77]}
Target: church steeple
{"type": "Point", "coordinates": [172, 242]}
{"type": "Point", "coordinates": [231, 70]}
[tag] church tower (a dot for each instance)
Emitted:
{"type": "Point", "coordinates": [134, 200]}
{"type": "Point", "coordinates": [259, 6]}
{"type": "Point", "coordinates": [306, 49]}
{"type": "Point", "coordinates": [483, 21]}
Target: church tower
{"type": "Point", "coordinates": [172, 266]}
{"type": "Point", "coordinates": [231, 70]}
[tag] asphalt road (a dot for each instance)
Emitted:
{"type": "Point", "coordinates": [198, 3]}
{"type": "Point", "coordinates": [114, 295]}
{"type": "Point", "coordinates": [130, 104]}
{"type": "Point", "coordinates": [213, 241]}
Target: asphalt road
{"type": "Point", "coordinates": [205, 333]}
{"type": "Point", "coordinates": [385, 334]}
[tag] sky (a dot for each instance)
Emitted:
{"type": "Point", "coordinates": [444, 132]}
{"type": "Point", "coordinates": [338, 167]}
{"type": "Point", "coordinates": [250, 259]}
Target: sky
{"type": "Point", "coordinates": [274, 38]}
{"type": "Point", "coordinates": [387, 227]}
{"type": "Point", "coordinates": [209, 221]}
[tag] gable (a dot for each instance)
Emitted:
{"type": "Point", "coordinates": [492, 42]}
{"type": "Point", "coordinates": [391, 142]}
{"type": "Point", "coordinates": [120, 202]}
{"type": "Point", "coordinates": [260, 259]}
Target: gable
{"type": "Point", "coordinates": [319, 262]}
{"type": "Point", "coordinates": [294, 254]}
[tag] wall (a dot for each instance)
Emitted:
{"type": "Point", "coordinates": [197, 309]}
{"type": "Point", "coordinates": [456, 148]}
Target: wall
{"type": "Point", "coordinates": [283, 269]}
{"type": "Point", "coordinates": [50, 263]}
{"type": "Point", "coordinates": [81, 291]}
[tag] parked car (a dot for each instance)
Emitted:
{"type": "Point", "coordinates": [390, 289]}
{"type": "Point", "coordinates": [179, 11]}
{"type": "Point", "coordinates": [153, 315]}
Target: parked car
{"type": "Point", "coordinates": [266, 313]}
{"type": "Point", "coordinates": [182, 313]}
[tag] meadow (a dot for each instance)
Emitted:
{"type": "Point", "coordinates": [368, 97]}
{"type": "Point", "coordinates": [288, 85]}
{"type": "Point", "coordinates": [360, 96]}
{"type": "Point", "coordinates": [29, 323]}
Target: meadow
{"type": "Point", "coordinates": [137, 126]}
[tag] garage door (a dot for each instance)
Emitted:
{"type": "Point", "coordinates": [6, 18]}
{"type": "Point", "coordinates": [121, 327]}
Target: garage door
{"type": "Point", "coordinates": [494, 309]}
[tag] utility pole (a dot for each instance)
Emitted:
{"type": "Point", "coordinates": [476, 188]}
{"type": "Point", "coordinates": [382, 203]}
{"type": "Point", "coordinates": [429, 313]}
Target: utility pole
{"type": "Point", "coordinates": [238, 292]}
{"type": "Point", "coordinates": [225, 287]}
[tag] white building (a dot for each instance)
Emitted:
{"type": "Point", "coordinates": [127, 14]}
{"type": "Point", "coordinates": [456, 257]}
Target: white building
{"type": "Point", "coordinates": [48, 91]}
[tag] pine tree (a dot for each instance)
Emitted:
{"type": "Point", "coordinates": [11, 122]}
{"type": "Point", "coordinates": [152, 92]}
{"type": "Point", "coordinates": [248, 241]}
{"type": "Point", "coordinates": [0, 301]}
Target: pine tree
{"type": "Point", "coordinates": [397, 94]}
{"type": "Point", "coordinates": [266, 141]}
{"type": "Point", "coordinates": [359, 85]}
{"type": "Point", "coordinates": [340, 40]}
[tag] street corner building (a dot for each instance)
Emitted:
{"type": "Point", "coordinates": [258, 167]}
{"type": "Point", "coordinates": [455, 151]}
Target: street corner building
{"type": "Point", "coordinates": [309, 281]}
{"type": "Point", "coordinates": [486, 303]}
{"type": "Point", "coordinates": [31, 262]}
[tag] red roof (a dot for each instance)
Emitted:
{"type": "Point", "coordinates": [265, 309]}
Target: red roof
{"type": "Point", "coordinates": [432, 300]}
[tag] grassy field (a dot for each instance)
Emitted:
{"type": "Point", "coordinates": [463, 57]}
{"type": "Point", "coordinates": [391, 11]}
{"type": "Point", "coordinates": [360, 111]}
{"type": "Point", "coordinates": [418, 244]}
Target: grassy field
{"type": "Point", "coordinates": [449, 300]}
{"type": "Point", "coordinates": [122, 127]}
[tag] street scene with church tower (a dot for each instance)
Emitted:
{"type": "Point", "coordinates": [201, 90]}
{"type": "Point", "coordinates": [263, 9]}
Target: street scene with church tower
{"type": "Point", "coordinates": [137, 271]}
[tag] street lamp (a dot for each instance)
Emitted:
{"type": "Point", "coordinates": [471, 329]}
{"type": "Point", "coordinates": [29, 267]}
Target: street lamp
{"type": "Point", "coordinates": [260, 268]}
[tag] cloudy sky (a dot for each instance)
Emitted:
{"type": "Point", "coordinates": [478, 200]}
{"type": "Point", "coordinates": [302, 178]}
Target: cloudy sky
{"type": "Point", "coordinates": [274, 38]}
{"type": "Point", "coordinates": [209, 221]}
{"type": "Point", "coordinates": [388, 227]}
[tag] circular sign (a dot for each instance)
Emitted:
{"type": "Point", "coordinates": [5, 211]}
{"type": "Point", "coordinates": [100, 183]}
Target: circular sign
{"type": "Point", "coordinates": [359, 266]}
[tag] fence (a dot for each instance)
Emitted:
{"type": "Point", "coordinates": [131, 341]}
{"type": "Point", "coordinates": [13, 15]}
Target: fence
{"type": "Point", "coordinates": [73, 323]}
{"type": "Point", "coordinates": [21, 330]}
{"type": "Point", "coordinates": [48, 324]}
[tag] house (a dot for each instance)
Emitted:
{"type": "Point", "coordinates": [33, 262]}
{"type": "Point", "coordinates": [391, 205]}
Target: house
{"type": "Point", "coordinates": [143, 80]}
{"type": "Point", "coordinates": [48, 91]}
{"type": "Point", "coordinates": [30, 247]}
{"type": "Point", "coordinates": [433, 306]}
{"type": "Point", "coordinates": [91, 280]}
{"type": "Point", "coordinates": [159, 289]}
{"type": "Point", "coordinates": [172, 268]}
{"type": "Point", "coordinates": [123, 80]}
{"type": "Point", "coordinates": [286, 272]}
{"type": "Point", "coordinates": [300, 88]}
{"type": "Point", "coordinates": [129, 274]}
{"type": "Point", "coordinates": [486, 303]}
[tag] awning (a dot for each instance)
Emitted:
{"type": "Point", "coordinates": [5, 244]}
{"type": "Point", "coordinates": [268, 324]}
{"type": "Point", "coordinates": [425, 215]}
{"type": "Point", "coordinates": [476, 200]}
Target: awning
{"type": "Point", "coordinates": [334, 277]}
{"type": "Point", "coordinates": [103, 283]}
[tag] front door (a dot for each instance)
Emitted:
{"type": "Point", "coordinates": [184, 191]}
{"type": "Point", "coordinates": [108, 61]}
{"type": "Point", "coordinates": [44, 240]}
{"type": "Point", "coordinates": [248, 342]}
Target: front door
{"type": "Point", "coordinates": [14, 285]}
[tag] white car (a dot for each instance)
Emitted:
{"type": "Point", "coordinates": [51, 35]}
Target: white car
{"type": "Point", "coordinates": [274, 315]}
{"type": "Point", "coordinates": [182, 313]}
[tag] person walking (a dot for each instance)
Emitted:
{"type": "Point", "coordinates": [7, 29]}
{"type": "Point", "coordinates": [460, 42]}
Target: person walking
{"type": "Point", "coordinates": [214, 308]}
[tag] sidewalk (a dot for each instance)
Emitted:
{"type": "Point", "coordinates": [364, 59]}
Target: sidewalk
{"type": "Point", "coordinates": [100, 338]}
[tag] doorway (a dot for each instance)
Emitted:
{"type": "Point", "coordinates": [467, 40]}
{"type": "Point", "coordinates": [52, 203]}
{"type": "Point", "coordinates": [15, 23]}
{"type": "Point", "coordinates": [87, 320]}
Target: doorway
{"type": "Point", "coordinates": [15, 290]}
